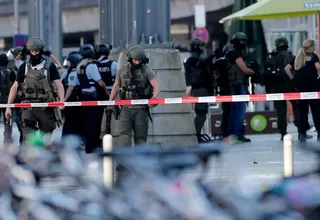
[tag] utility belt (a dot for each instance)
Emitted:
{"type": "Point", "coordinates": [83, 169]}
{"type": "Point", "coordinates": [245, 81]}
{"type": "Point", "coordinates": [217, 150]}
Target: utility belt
{"type": "Point", "coordinates": [90, 94]}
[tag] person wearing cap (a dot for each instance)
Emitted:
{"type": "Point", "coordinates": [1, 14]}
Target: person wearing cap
{"type": "Point", "coordinates": [134, 80]}
{"type": "Point", "coordinates": [40, 83]}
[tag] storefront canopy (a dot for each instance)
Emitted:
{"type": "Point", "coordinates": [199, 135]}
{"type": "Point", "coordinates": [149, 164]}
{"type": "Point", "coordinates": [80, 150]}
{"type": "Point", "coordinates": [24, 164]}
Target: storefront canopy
{"type": "Point", "coordinates": [276, 9]}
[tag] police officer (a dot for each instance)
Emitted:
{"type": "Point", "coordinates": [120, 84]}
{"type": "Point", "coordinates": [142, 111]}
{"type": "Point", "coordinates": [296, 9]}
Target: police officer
{"type": "Point", "coordinates": [199, 82]}
{"type": "Point", "coordinates": [72, 125]}
{"type": "Point", "coordinates": [238, 83]}
{"type": "Point", "coordinates": [306, 79]}
{"type": "Point", "coordinates": [13, 66]}
{"type": "Point", "coordinates": [279, 82]}
{"type": "Point", "coordinates": [135, 80]}
{"type": "Point", "coordinates": [7, 77]}
{"type": "Point", "coordinates": [221, 67]}
{"type": "Point", "coordinates": [90, 81]}
{"type": "Point", "coordinates": [108, 71]}
{"type": "Point", "coordinates": [37, 77]}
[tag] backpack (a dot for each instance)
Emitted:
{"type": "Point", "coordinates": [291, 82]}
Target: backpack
{"type": "Point", "coordinates": [276, 63]}
{"type": "Point", "coordinates": [6, 81]}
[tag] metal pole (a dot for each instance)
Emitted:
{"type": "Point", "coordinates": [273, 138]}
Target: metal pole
{"type": "Point", "coordinates": [134, 22]}
{"type": "Point", "coordinates": [288, 157]}
{"type": "Point", "coordinates": [58, 33]}
{"type": "Point", "coordinates": [16, 17]}
{"type": "Point", "coordinates": [107, 161]}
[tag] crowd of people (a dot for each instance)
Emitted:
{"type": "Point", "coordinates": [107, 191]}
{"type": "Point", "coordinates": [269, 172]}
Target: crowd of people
{"type": "Point", "coordinates": [30, 74]}
{"type": "Point", "coordinates": [229, 72]}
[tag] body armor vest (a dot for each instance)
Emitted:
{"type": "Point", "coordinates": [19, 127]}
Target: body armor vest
{"type": "Point", "coordinates": [236, 76]}
{"type": "Point", "coordinates": [85, 83]}
{"type": "Point", "coordinates": [105, 71]}
{"type": "Point", "coordinates": [195, 73]}
{"type": "Point", "coordinates": [134, 84]}
{"type": "Point", "coordinates": [33, 87]}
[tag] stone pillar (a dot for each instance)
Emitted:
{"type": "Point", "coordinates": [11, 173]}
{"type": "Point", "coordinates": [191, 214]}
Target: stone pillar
{"type": "Point", "coordinates": [172, 124]}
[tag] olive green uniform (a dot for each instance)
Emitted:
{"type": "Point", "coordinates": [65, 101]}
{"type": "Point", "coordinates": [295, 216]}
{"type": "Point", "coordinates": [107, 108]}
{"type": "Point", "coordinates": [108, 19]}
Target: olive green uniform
{"type": "Point", "coordinates": [35, 90]}
{"type": "Point", "coordinates": [134, 84]}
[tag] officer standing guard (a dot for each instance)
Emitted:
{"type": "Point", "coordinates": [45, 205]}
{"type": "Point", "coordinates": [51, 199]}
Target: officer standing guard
{"type": "Point", "coordinates": [72, 125]}
{"type": "Point", "coordinates": [37, 77]}
{"type": "Point", "coordinates": [199, 80]}
{"type": "Point", "coordinates": [90, 82]}
{"type": "Point", "coordinates": [108, 71]}
{"type": "Point", "coordinates": [238, 82]}
{"type": "Point", "coordinates": [135, 80]}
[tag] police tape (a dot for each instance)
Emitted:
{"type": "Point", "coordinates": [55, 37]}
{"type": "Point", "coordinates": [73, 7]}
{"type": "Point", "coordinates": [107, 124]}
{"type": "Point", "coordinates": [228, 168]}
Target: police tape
{"type": "Point", "coordinates": [182, 100]}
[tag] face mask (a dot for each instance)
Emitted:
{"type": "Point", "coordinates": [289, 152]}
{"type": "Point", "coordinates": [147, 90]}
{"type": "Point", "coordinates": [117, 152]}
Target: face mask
{"type": "Point", "coordinates": [35, 59]}
{"type": "Point", "coordinates": [240, 47]}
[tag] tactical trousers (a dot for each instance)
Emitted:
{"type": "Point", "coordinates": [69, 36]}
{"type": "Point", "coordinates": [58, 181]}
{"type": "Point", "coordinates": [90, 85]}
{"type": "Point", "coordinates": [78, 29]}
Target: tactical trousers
{"type": "Point", "coordinates": [89, 124]}
{"type": "Point", "coordinates": [41, 117]}
{"type": "Point", "coordinates": [133, 121]}
{"type": "Point", "coordinates": [226, 109]}
{"type": "Point", "coordinates": [106, 123]}
{"type": "Point", "coordinates": [281, 109]}
{"type": "Point", "coordinates": [201, 110]}
{"type": "Point", "coordinates": [72, 121]}
{"type": "Point", "coordinates": [304, 111]}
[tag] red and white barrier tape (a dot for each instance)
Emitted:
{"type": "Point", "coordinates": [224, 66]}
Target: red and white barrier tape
{"type": "Point", "coordinates": [182, 100]}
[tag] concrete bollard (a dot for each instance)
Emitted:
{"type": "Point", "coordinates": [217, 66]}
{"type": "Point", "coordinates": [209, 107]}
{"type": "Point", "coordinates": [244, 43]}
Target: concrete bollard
{"type": "Point", "coordinates": [107, 162]}
{"type": "Point", "coordinates": [288, 156]}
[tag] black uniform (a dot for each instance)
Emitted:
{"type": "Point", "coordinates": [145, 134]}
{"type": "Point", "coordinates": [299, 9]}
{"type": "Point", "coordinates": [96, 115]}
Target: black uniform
{"type": "Point", "coordinates": [307, 80]}
{"type": "Point", "coordinates": [199, 78]}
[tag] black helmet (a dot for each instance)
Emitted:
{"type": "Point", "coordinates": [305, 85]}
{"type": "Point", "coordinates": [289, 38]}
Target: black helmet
{"type": "Point", "coordinates": [197, 45]}
{"type": "Point", "coordinates": [87, 51]}
{"type": "Point", "coordinates": [239, 38]}
{"type": "Point", "coordinates": [281, 42]}
{"type": "Point", "coordinates": [35, 43]}
{"type": "Point", "coordinates": [16, 51]}
{"type": "Point", "coordinates": [103, 49]}
{"type": "Point", "coordinates": [74, 58]}
{"type": "Point", "coordinates": [3, 59]}
{"type": "Point", "coordinates": [227, 48]}
{"type": "Point", "coordinates": [136, 53]}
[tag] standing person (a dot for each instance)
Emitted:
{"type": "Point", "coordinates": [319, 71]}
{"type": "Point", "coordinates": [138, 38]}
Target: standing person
{"type": "Point", "coordinates": [135, 80]}
{"type": "Point", "coordinates": [38, 77]}
{"type": "Point", "coordinates": [199, 80]}
{"type": "Point", "coordinates": [306, 79]}
{"type": "Point", "coordinates": [108, 70]}
{"type": "Point", "coordinates": [279, 82]}
{"type": "Point", "coordinates": [90, 81]}
{"type": "Point", "coordinates": [238, 82]}
{"type": "Point", "coordinates": [72, 125]}
{"type": "Point", "coordinates": [7, 77]}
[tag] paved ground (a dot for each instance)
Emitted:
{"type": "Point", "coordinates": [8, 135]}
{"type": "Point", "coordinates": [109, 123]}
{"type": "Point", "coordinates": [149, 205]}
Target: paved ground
{"type": "Point", "coordinates": [262, 159]}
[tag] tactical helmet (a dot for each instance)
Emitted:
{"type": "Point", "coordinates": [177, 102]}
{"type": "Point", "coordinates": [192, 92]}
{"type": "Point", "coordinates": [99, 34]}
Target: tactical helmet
{"type": "Point", "coordinates": [74, 58]}
{"type": "Point", "coordinates": [281, 42]}
{"type": "Point", "coordinates": [16, 51]}
{"type": "Point", "coordinates": [35, 43]}
{"type": "Point", "coordinates": [197, 45]}
{"type": "Point", "coordinates": [136, 53]}
{"type": "Point", "coordinates": [238, 37]}
{"type": "Point", "coordinates": [87, 51]}
{"type": "Point", "coordinates": [227, 48]}
{"type": "Point", "coordinates": [103, 49]}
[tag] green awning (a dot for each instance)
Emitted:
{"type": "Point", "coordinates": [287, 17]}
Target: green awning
{"type": "Point", "coordinates": [276, 9]}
